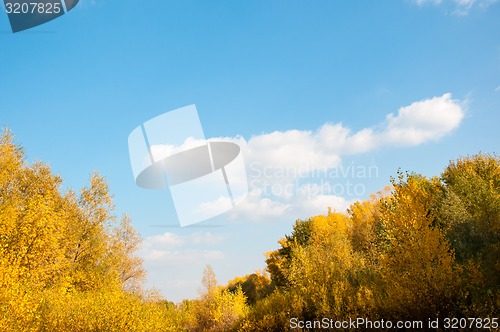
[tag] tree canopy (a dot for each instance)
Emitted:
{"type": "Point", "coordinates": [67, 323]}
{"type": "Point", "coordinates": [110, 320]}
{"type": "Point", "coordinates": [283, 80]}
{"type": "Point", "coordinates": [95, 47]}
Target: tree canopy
{"type": "Point", "coordinates": [66, 264]}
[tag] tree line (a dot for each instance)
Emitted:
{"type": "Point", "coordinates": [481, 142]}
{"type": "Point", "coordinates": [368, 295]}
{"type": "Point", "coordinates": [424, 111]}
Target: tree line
{"type": "Point", "coordinates": [422, 248]}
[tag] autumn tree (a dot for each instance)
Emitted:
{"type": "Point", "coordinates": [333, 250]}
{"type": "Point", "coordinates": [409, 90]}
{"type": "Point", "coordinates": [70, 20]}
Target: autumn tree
{"type": "Point", "coordinates": [470, 214]}
{"type": "Point", "coordinates": [279, 260]}
{"type": "Point", "coordinates": [418, 267]}
{"type": "Point", "coordinates": [125, 242]}
{"type": "Point", "coordinates": [255, 286]}
{"type": "Point", "coordinates": [217, 309]}
{"type": "Point", "coordinates": [65, 264]}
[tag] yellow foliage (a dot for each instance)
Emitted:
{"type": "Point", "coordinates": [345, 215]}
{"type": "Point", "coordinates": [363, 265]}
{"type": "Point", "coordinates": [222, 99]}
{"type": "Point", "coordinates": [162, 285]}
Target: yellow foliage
{"type": "Point", "coordinates": [64, 263]}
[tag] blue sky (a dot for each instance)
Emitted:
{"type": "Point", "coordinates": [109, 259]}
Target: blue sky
{"type": "Point", "coordinates": [306, 84]}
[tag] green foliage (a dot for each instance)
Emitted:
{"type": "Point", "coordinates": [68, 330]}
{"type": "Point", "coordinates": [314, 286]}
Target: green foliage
{"type": "Point", "coordinates": [470, 211]}
{"type": "Point", "coordinates": [278, 260]}
{"type": "Point", "coordinates": [255, 286]}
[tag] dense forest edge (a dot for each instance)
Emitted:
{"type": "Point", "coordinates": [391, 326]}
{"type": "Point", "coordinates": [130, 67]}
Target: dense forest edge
{"type": "Point", "coordinates": [421, 249]}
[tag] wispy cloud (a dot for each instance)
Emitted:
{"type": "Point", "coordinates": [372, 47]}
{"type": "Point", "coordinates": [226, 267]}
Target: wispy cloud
{"type": "Point", "coordinates": [458, 7]}
{"type": "Point", "coordinates": [161, 245]}
{"type": "Point", "coordinates": [423, 2]}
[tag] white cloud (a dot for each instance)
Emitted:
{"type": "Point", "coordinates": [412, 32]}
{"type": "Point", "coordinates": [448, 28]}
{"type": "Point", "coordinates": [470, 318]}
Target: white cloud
{"type": "Point", "coordinates": [417, 123]}
{"type": "Point", "coordinates": [165, 240]}
{"type": "Point", "coordinates": [321, 203]}
{"type": "Point", "coordinates": [258, 208]}
{"type": "Point", "coordinates": [206, 238]}
{"type": "Point", "coordinates": [497, 88]}
{"type": "Point", "coordinates": [168, 247]}
{"type": "Point", "coordinates": [264, 209]}
{"type": "Point", "coordinates": [293, 148]}
{"type": "Point", "coordinates": [422, 121]}
{"type": "Point", "coordinates": [215, 207]}
{"type": "Point", "coordinates": [303, 151]}
{"type": "Point", "coordinates": [162, 151]}
{"type": "Point", "coordinates": [278, 161]}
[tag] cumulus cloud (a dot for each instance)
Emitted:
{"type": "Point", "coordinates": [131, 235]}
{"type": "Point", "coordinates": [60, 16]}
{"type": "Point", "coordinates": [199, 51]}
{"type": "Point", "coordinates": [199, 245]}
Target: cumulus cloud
{"type": "Point", "coordinates": [422, 121]}
{"type": "Point", "coordinates": [170, 247]}
{"type": "Point", "coordinates": [307, 150]}
{"type": "Point", "coordinates": [278, 162]}
{"type": "Point", "coordinates": [321, 203]}
{"type": "Point", "coordinates": [258, 208]}
{"type": "Point", "coordinates": [164, 241]}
